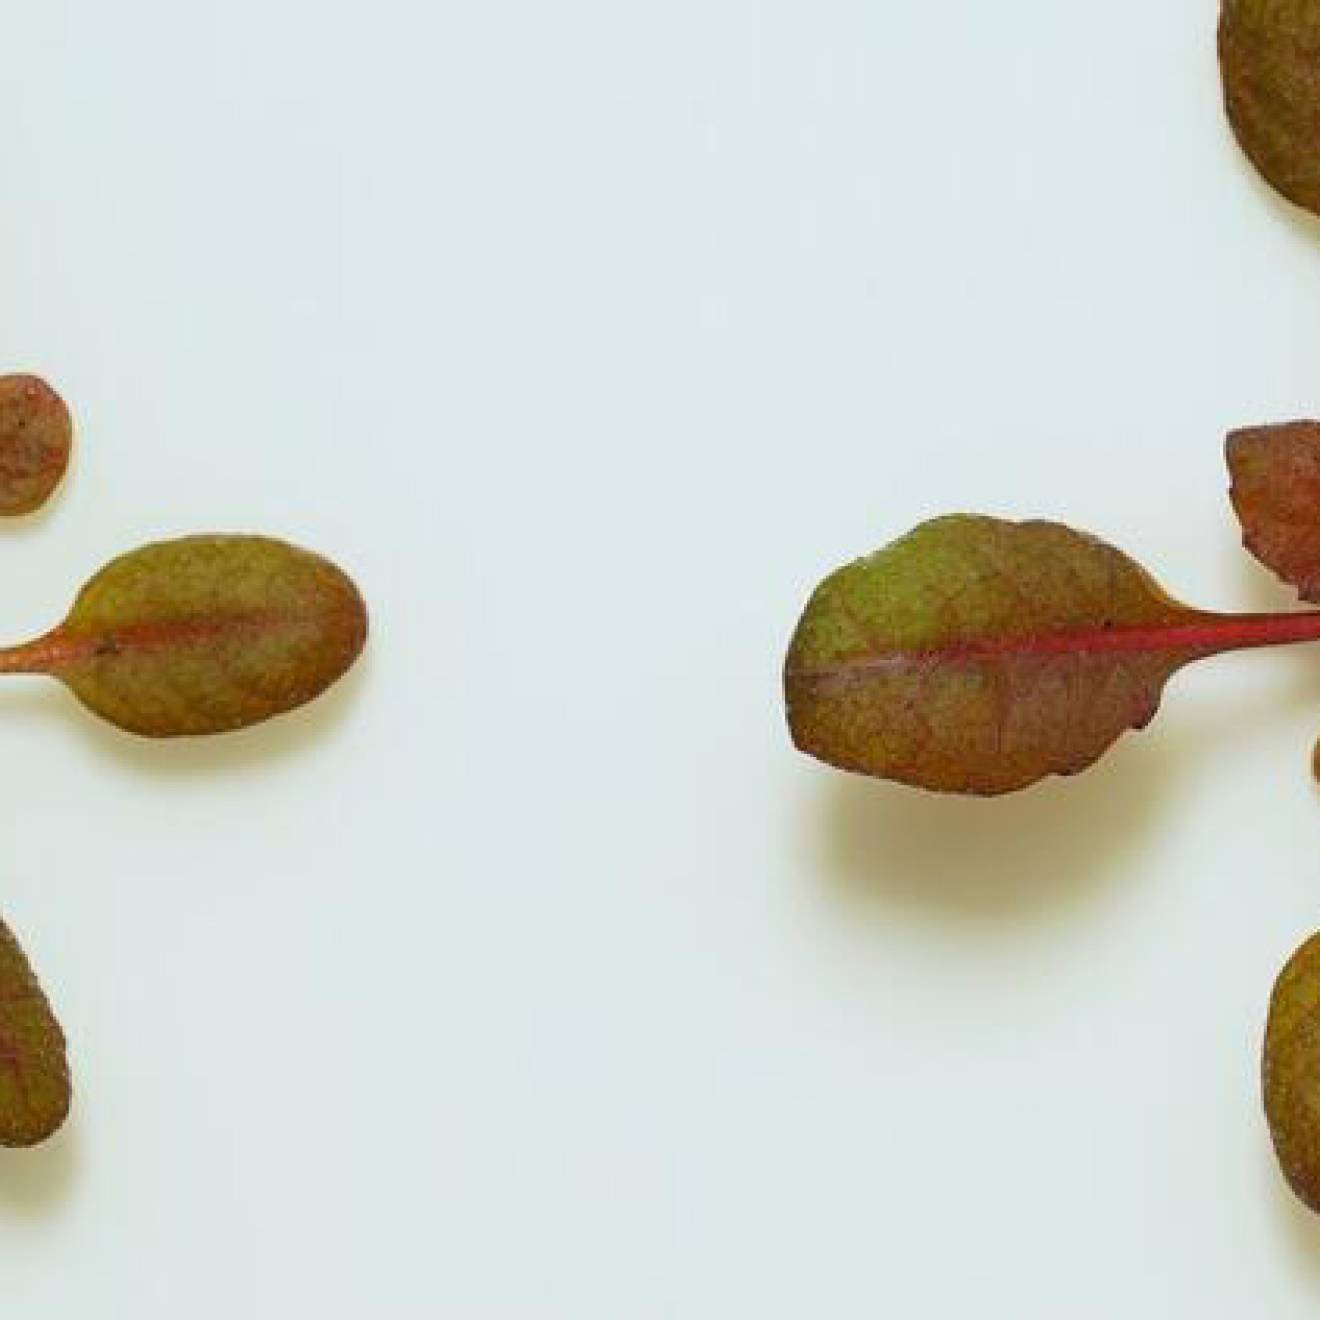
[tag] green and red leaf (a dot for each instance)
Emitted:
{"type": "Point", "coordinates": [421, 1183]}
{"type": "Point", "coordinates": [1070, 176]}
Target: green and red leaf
{"type": "Point", "coordinates": [979, 656]}
{"type": "Point", "coordinates": [203, 635]}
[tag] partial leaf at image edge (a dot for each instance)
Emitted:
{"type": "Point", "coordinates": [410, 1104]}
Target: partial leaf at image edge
{"type": "Point", "coordinates": [35, 1090]}
{"type": "Point", "coordinates": [1290, 1071]}
{"type": "Point", "coordinates": [36, 437]}
{"type": "Point", "coordinates": [1276, 493]}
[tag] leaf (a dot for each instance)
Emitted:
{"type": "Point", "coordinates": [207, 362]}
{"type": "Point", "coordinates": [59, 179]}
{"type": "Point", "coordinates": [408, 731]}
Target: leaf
{"type": "Point", "coordinates": [35, 1091]}
{"type": "Point", "coordinates": [979, 656]}
{"type": "Point", "coordinates": [1269, 54]}
{"type": "Point", "coordinates": [203, 635]}
{"type": "Point", "coordinates": [1290, 1071]}
{"type": "Point", "coordinates": [36, 435]}
{"type": "Point", "coordinates": [1276, 492]}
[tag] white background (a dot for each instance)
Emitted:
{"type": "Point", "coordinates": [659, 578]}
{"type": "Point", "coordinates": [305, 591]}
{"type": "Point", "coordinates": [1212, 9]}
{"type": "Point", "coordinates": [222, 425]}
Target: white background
{"type": "Point", "coordinates": [532, 975]}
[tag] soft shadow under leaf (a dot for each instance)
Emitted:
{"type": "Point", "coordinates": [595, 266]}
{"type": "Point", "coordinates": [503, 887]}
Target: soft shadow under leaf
{"type": "Point", "coordinates": [1302, 1225]}
{"type": "Point", "coordinates": [33, 1182]}
{"type": "Point", "coordinates": [247, 751]}
{"type": "Point", "coordinates": [886, 846]}
{"type": "Point", "coordinates": [979, 859]}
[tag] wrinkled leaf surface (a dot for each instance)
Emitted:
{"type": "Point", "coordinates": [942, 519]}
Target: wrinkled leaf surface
{"type": "Point", "coordinates": [1276, 493]}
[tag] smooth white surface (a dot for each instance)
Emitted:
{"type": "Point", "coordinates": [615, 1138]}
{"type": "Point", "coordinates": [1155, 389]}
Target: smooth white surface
{"type": "Point", "coordinates": [532, 976]}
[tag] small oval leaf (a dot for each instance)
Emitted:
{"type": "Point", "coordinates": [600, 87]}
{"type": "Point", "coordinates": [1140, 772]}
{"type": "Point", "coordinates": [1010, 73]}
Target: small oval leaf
{"type": "Point", "coordinates": [979, 656]}
{"type": "Point", "coordinates": [1269, 54]}
{"type": "Point", "coordinates": [1290, 1071]}
{"type": "Point", "coordinates": [35, 1092]}
{"type": "Point", "coordinates": [1276, 494]}
{"type": "Point", "coordinates": [36, 436]}
{"type": "Point", "coordinates": [205, 634]}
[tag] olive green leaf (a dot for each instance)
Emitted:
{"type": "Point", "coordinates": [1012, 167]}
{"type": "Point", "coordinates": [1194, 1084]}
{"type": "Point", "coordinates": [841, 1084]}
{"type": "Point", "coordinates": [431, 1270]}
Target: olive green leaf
{"type": "Point", "coordinates": [35, 1092]}
{"type": "Point", "coordinates": [1276, 493]}
{"type": "Point", "coordinates": [1290, 1071]}
{"type": "Point", "coordinates": [203, 635]}
{"type": "Point", "coordinates": [1269, 54]}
